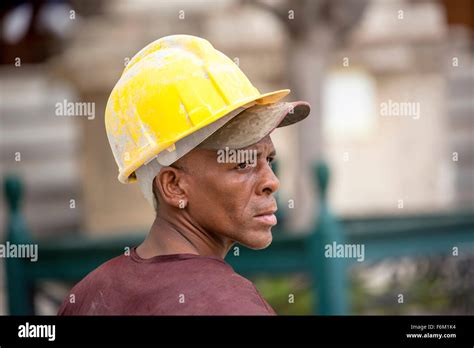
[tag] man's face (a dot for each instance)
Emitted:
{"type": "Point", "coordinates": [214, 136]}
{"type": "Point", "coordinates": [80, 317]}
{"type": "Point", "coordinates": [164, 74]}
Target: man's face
{"type": "Point", "coordinates": [233, 200]}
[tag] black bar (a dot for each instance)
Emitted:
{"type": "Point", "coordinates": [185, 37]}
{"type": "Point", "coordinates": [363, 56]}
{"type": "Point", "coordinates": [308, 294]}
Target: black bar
{"type": "Point", "coordinates": [290, 330]}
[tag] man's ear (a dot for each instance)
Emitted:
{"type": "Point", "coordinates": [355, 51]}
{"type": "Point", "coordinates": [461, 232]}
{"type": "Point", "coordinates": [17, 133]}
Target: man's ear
{"type": "Point", "coordinates": [170, 184]}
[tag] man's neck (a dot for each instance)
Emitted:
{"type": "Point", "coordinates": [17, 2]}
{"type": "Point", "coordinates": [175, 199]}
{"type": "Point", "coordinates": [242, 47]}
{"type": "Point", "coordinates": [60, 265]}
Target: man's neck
{"type": "Point", "coordinates": [178, 235]}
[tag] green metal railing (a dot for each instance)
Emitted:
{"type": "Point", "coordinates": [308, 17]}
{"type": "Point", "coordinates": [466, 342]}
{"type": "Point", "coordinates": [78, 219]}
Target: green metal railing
{"type": "Point", "coordinates": [71, 258]}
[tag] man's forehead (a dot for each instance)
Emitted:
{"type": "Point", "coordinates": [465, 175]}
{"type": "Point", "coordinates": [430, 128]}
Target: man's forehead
{"type": "Point", "coordinates": [265, 143]}
{"type": "Point", "coordinates": [260, 146]}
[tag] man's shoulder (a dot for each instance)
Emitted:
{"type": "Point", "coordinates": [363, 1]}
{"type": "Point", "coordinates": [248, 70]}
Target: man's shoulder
{"type": "Point", "coordinates": [99, 278]}
{"type": "Point", "coordinates": [105, 272]}
{"type": "Point", "coordinates": [225, 292]}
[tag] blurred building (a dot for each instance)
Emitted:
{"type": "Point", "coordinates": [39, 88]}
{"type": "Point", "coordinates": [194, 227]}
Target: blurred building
{"type": "Point", "coordinates": [402, 52]}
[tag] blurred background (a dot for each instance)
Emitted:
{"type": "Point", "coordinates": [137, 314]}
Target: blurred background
{"type": "Point", "coordinates": [391, 88]}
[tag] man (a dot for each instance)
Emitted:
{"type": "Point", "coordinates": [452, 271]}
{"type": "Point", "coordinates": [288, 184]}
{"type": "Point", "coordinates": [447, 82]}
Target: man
{"type": "Point", "coordinates": [188, 125]}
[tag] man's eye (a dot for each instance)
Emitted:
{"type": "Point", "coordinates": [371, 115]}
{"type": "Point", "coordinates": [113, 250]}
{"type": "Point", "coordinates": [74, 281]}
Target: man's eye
{"type": "Point", "coordinates": [243, 165]}
{"type": "Point", "coordinates": [270, 160]}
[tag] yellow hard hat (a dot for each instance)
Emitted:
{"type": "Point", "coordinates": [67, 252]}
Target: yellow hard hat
{"type": "Point", "coordinates": [169, 90]}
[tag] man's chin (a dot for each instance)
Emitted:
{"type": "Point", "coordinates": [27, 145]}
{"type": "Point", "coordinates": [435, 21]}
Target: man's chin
{"type": "Point", "coordinates": [260, 240]}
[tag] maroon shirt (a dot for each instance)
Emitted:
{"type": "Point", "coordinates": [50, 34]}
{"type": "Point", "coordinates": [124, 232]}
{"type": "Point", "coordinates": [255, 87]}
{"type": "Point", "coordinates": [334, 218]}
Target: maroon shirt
{"type": "Point", "coordinates": [178, 284]}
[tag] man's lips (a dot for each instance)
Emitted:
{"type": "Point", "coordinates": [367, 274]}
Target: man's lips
{"type": "Point", "coordinates": [267, 217]}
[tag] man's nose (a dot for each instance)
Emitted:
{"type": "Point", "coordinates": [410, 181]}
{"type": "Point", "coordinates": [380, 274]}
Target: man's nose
{"type": "Point", "coordinates": [269, 183]}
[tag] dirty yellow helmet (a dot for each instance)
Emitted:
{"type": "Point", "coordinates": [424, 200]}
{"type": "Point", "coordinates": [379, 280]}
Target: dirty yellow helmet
{"type": "Point", "coordinates": [172, 88]}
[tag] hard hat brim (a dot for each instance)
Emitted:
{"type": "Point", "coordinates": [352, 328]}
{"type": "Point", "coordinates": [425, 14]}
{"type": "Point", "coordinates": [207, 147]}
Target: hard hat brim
{"type": "Point", "coordinates": [255, 123]}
